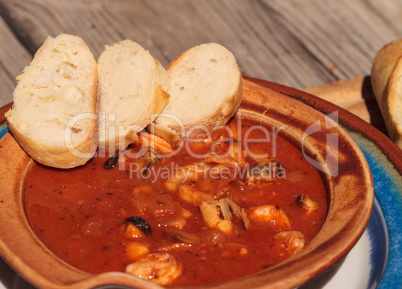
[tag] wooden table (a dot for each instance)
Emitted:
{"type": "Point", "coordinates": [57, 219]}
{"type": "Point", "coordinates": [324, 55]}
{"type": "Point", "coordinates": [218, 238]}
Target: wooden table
{"type": "Point", "coordinates": [307, 44]}
{"type": "Point", "coordinates": [323, 46]}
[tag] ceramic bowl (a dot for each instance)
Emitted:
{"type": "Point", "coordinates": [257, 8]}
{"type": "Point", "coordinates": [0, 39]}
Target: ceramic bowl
{"type": "Point", "coordinates": [331, 149]}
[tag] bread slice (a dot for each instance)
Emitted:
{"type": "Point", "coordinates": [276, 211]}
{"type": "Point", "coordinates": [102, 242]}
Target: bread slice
{"type": "Point", "coordinates": [386, 79]}
{"type": "Point", "coordinates": [132, 89]}
{"type": "Point", "coordinates": [205, 92]}
{"type": "Point", "coordinates": [53, 117]}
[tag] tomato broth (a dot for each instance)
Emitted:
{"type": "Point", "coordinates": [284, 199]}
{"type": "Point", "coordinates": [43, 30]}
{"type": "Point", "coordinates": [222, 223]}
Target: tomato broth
{"type": "Point", "coordinates": [233, 203]}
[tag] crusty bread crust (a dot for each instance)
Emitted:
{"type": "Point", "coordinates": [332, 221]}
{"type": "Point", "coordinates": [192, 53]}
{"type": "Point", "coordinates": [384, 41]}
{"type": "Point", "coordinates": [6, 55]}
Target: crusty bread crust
{"type": "Point", "coordinates": [206, 89]}
{"type": "Point", "coordinates": [65, 103]}
{"type": "Point", "coordinates": [53, 117]}
{"type": "Point", "coordinates": [132, 89]}
{"type": "Point", "coordinates": [386, 79]}
{"type": "Point", "coordinates": [56, 156]}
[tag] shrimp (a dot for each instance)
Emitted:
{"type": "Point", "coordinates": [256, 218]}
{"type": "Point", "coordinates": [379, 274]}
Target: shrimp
{"type": "Point", "coordinates": [155, 142]}
{"type": "Point", "coordinates": [306, 203]}
{"type": "Point", "coordinates": [270, 213]}
{"type": "Point", "coordinates": [235, 157]}
{"type": "Point", "coordinates": [219, 214]}
{"type": "Point", "coordinates": [161, 268]}
{"type": "Point", "coordinates": [203, 175]}
{"type": "Point", "coordinates": [180, 221]}
{"type": "Point", "coordinates": [186, 173]}
{"type": "Point", "coordinates": [192, 196]}
{"type": "Point", "coordinates": [211, 214]}
{"type": "Point", "coordinates": [291, 241]}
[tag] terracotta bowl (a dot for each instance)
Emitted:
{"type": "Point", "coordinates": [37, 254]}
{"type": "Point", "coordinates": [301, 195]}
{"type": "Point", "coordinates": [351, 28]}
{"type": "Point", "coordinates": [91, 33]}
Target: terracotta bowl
{"type": "Point", "coordinates": [348, 178]}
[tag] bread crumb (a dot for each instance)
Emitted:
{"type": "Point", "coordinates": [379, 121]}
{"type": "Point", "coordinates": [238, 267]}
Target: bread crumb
{"type": "Point", "coordinates": [73, 95]}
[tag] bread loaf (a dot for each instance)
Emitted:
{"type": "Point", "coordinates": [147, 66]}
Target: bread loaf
{"type": "Point", "coordinates": [63, 95]}
{"type": "Point", "coordinates": [386, 79]}
{"type": "Point", "coordinates": [132, 89]}
{"type": "Point", "coordinates": [53, 117]}
{"type": "Point", "coordinates": [205, 92]}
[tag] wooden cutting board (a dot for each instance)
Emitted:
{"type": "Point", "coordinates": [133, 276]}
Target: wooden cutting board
{"type": "Point", "coordinates": [356, 96]}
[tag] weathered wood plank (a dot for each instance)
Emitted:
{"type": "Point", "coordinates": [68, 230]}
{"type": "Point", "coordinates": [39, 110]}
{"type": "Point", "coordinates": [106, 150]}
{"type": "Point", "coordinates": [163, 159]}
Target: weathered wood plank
{"type": "Point", "coordinates": [356, 96]}
{"type": "Point", "coordinates": [296, 43]}
{"type": "Point", "coordinates": [13, 58]}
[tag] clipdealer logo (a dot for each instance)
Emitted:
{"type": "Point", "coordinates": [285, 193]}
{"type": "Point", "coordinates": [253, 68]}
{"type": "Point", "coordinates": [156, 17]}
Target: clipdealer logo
{"type": "Point", "coordinates": [330, 163]}
{"type": "Point", "coordinates": [327, 164]}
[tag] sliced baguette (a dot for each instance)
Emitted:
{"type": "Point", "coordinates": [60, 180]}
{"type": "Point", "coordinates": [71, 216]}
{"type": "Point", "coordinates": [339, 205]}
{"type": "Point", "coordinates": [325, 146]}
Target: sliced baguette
{"type": "Point", "coordinates": [132, 89]}
{"type": "Point", "coordinates": [386, 79]}
{"type": "Point", "coordinates": [53, 117]}
{"type": "Point", "coordinates": [205, 92]}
